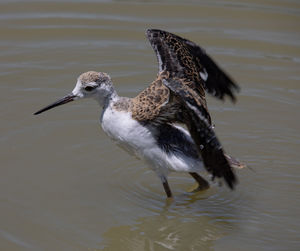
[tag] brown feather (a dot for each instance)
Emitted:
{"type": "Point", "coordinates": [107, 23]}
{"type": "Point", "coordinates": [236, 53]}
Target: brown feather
{"type": "Point", "coordinates": [147, 105]}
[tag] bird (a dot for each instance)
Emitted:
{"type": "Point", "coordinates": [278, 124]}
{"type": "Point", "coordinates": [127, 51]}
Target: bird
{"type": "Point", "coordinates": [168, 124]}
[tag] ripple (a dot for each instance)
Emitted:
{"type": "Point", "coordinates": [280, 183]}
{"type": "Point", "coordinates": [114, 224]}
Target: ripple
{"type": "Point", "coordinates": [145, 191]}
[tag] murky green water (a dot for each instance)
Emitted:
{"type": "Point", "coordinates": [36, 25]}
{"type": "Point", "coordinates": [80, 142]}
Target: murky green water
{"type": "Point", "coordinates": [65, 186]}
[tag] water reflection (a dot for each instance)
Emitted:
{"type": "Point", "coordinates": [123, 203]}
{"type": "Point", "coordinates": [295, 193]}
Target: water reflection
{"type": "Point", "coordinates": [170, 230]}
{"type": "Point", "coordinates": [191, 221]}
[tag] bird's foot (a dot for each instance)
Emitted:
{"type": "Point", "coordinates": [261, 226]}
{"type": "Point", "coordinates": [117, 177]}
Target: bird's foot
{"type": "Point", "coordinates": [198, 187]}
{"type": "Point", "coordinates": [169, 201]}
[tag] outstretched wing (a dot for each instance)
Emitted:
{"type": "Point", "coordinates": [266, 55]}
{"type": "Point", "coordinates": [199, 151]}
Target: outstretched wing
{"type": "Point", "coordinates": [180, 72]}
{"type": "Point", "coordinates": [214, 80]}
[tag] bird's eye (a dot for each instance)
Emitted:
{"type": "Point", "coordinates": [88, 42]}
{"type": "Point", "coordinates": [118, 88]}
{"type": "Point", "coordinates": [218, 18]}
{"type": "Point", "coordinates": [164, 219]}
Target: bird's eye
{"type": "Point", "coordinates": [89, 88]}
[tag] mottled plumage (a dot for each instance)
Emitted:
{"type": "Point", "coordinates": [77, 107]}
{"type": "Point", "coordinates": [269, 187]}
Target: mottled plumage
{"type": "Point", "coordinates": [147, 105]}
{"type": "Point", "coordinates": [145, 125]}
{"type": "Point", "coordinates": [180, 70]}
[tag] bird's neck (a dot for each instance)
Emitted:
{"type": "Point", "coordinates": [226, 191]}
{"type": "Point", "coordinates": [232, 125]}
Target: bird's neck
{"type": "Point", "coordinates": [105, 98]}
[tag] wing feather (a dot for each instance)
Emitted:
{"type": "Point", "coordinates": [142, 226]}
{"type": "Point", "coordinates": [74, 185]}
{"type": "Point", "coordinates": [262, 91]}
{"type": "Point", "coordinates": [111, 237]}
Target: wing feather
{"type": "Point", "coordinates": [216, 81]}
{"type": "Point", "coordinates": [191, 62]}
{"type": "Point", "coordinates": [208, 145]}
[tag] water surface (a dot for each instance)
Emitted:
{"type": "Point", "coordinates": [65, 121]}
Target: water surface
{"type": "Point", "coordinates": [65, 186]}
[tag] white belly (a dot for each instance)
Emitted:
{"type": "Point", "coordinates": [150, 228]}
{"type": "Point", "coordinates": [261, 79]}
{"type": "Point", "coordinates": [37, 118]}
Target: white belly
{"type": "Point", "coordinates": [138, 140]}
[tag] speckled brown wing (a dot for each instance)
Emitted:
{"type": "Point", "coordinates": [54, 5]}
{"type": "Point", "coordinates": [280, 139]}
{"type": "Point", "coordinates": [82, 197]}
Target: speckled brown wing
{"type": "Point", "coordinates": [192, 62]}
{"type": "Point", "coordinates": [155, 103]}
{"type": "Point", "coordinates": [175, 61]}
{"type": "Point", "coordinates": [175, 58]}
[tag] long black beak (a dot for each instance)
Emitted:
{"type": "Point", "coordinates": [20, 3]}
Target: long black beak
{"type": "Point", "coordinates": [62, 101]}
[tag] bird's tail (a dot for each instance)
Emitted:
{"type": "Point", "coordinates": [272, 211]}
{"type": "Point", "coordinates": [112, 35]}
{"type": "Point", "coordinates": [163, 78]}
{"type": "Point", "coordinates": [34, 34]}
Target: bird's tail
{"type": "Point", "coordinates": [234, 163]}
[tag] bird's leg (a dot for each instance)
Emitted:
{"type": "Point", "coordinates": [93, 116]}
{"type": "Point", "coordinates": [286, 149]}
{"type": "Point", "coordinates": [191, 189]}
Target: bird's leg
{"type": "Point", "coordinates": [202, 183]}
{"type": "Point", "coordinates": [166, 187]}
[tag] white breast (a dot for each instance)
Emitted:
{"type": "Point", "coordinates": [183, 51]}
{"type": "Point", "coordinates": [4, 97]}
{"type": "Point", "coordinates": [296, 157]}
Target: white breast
{"type": "Point", "coordinates": [126, 131]}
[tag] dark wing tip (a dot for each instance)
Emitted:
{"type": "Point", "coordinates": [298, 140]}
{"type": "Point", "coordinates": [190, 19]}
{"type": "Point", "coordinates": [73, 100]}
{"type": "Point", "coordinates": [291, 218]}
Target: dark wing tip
{"type": "Point", "coordinates": [230, 179]}
{"type": "Point", "coordinates": [217, 82]}
{"type": "Point", "coordinates": [230, 92]}
{"type": "Point", "coordinates": [218, 164]}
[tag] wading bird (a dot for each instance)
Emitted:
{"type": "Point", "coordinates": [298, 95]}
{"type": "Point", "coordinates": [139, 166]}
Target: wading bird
{"type": "Point", "coordinates": [148, 124]}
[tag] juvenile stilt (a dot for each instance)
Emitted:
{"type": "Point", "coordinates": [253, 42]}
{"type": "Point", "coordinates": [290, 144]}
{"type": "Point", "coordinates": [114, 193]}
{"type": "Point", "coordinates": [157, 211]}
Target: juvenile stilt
{"type": "Point", "coordinates": [149, 125]}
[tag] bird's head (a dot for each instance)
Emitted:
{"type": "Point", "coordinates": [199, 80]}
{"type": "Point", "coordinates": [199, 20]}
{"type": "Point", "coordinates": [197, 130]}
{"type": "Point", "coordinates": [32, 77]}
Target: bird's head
{"type": "Point", "coordinates": [90, 84]}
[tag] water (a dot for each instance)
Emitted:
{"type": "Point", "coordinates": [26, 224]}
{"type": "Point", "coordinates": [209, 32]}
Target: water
{"type": "Point", "coordinates": [65, 186]}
